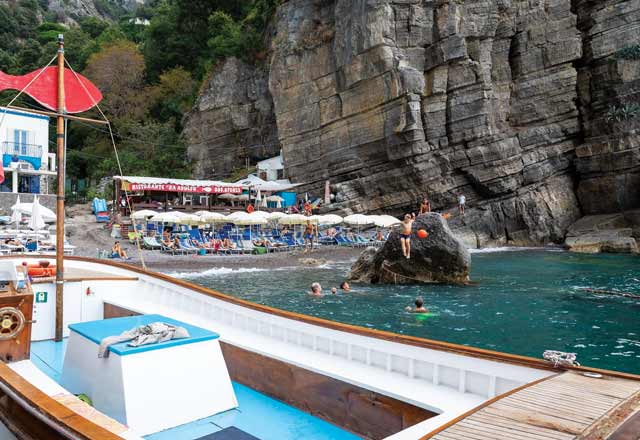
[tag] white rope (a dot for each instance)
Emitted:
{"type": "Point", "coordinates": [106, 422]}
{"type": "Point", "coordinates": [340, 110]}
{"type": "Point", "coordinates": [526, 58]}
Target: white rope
{"type": "Point", "coordinates": [115, 150]}
{"type": "Point", "coordinates": [560, 358]}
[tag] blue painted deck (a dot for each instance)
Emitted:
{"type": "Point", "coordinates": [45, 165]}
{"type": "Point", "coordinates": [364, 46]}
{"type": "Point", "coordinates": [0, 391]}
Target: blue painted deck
{"type": "Point", "coordinates": [257, 414]}
{"type": "Point", "coordinates": [96, 331]}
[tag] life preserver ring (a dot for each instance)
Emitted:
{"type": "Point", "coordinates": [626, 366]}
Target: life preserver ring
{"type": "Point", "coordinates": [250, 209]}
{"type": "Point", "coordinates": [38, 271]}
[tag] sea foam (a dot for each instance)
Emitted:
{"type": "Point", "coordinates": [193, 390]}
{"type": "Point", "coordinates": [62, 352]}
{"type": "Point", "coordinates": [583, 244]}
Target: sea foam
{"type": "Point", "coordinates": [217, 271]}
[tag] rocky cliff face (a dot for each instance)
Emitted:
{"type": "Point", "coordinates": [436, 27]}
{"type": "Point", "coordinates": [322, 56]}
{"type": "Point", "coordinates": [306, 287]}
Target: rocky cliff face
{"type": "Point", "coordinates": [233, 120]}
{"type": "Point", "coordinates": [505, 101]}
{"type": "Point", "coordinates": [69, 11]}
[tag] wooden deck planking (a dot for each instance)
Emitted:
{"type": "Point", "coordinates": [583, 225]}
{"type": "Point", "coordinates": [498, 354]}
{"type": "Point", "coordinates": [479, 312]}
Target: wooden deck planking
{"type": "Point", "coordinates": [560, 408]}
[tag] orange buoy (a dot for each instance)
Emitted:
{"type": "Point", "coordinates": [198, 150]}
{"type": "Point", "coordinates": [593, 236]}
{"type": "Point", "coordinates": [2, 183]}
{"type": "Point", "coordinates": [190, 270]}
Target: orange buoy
{"type": "Point", "coordinates": [250, 209]}
{"type": "Point", "coordinates": [422, 233]}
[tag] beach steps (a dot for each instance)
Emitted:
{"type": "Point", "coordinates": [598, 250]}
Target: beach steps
{"type": "Point", "coordinates": [563, 407]}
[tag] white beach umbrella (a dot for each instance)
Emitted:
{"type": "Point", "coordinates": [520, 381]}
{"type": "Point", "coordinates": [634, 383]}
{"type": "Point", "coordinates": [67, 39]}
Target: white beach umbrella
{"type": "Point", "coordinates": [27, 208]}
{"type": "Point", "coordinates": [243, 218]}
{"type": "Point", "coordinates": [16, 215]}
{"type": "Point", "coordinates": [228, 196]}
{"type": "Point", "coordinates": [359, 219]}
{"type": "Point", "coordinates": [275, 199]}
{"type": "Point", "coordinates": [260, 214]}
{"type": "Point", "coordinates": [189, 219]}
{"type": "Point", "coordinates": [36, 222]}
{"type": "Point", "coordinates": [165, 217]}
{"type": "Point", "coordinates": [329, 219]}
{"type": "Point", "coordinates": [143, 214]}
{"type": "Point", "coordinates": [293, 219]}
{"type": "Point", "coordinates": [385, 221]}
{"type": "Point", "coordinates": [273, 216]}
{"type": "Point", "coordinates": [213, 217]}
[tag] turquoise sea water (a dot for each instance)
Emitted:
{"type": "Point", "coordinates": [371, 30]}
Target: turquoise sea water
{"type": "Point", "coordinates": [524, 302]}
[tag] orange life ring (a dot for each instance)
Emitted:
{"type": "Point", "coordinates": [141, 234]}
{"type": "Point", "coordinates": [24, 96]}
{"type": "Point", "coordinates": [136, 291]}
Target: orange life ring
{"type": "Point", "coordinates": [250, 209]}
{"type": "Point", "coordinates": [38, 271]}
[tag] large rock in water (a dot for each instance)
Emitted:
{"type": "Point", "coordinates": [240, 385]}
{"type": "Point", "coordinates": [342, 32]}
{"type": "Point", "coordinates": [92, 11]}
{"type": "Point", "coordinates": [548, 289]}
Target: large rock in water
{"type": "Point", "coordinates": [439, 258]}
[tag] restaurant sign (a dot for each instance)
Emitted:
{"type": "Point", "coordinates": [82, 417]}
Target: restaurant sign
{"type": "Point", "coordinates": [174, 187]}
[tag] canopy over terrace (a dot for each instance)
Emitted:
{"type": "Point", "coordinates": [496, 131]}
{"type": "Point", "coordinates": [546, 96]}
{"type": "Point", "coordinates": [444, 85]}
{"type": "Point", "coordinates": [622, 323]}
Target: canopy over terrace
{"type": "Point", "coordinates": [163, 194]}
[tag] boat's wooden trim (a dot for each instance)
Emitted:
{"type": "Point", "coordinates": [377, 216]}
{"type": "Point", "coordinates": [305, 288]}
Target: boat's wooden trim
{"type": "Point", "coordinates": [52, 410]}
{"type": "Point", "coordinates": [378, 334]}
{"type": "Point", "coordinates": [463, 416]}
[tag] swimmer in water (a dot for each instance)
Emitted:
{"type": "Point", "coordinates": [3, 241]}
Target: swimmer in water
{"type": "Point", "coordinates": [316, 289]}
{"type": "Point", "coordinates": [420, 308]}
{"type": "Point", "coordinates": [334, 291]}
{"type": "Point", "coordinates": [344, 286]}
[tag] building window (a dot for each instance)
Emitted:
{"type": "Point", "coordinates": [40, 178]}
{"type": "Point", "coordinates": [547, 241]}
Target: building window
{"type": "Point", "coordinates": [20, 142]}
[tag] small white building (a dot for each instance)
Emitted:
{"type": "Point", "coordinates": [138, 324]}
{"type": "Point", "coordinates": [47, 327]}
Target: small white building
{"type": "Point", "coordinates": [271, 169]}
{"type": "Point", "coordinates": [24, 142]}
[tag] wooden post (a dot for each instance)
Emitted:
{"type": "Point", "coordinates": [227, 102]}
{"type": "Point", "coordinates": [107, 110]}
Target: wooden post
{"type": "Point", "coordinates": [60, 196]}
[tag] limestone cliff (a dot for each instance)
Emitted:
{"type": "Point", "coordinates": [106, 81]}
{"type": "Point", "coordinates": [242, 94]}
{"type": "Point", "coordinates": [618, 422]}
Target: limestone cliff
{"type": "Point", "coordinates": [505, 101]}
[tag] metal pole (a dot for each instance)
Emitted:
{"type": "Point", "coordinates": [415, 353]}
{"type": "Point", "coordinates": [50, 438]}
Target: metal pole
{"type": "Point", "coordinates": [60, 193]}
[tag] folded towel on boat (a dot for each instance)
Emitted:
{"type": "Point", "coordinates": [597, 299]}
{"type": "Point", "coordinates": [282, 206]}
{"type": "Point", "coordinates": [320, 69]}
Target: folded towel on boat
{"type": "Point", "coordinates": [143, 335]}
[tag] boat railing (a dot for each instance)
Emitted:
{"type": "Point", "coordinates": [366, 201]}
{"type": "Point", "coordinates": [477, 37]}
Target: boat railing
{"type": "Point", "coordinates": [390, 353]}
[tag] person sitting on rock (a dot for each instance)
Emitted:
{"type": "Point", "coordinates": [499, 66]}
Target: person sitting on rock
{"type": "Point", "coordinates": [419, 302]}
{"type": "Point", "coordinates": [405, 234]}
{"type": "Point", "coordinates": [425, 206]}
{"type": "Point", "coordinates": [316, 289]}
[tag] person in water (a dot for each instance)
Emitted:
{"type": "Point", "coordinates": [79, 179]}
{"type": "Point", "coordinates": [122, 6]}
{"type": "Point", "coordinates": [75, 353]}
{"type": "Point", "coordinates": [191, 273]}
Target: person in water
{"type": "Point", "coordinates": [334, 291]}
{"type": "Point", "coordinates": [316, 289]}
{"type": "Point", "coordinates": [344, 286]}
{"type": "Point", "coordinates": [420, 308]}
{"type": "Point", "coordinates": [405, 234]}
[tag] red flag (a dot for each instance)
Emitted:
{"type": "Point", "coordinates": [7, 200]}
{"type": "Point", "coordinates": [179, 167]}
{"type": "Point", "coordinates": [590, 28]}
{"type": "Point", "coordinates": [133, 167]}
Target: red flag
{"type": "Point", "coordinates": [80, 93]}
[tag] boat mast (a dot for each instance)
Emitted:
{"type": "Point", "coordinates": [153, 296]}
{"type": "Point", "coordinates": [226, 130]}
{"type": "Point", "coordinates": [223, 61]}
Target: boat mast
{"type": "Point", "coordinates": [60, 134]}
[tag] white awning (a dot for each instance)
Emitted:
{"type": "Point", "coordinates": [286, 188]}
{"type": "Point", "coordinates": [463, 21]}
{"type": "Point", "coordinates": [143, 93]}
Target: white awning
{"type": "Point", "coordinates": [263, 185]}
{"type": "Point", "coordinates": [137, 183]}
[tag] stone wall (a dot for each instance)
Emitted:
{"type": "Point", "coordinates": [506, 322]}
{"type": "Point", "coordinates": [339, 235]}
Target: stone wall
{"type": "Point", "coordinates": [501, 100]}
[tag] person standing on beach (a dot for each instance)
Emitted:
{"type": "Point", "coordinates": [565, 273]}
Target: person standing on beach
{"type": "Point", "coordinates": [461, 202]}
{"type": "Point", "coordinates": [405, 234]}
{"type": "Point", "coordinates": [309, 233]}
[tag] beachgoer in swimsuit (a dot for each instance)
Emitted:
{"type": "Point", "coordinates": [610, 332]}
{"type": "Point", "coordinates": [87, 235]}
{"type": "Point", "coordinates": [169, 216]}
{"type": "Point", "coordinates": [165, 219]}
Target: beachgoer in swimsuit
{"type": "Point", "coordinates": [419, 302]}
{"type": "Point", "coordinates": [117, 251]}
{"type": "Point", "coordinates": [405, 234]}
{"type": "Point", "coordinates": [461, 202]}
{"type": "Point", "coordinates": [425, 206]}
{"type": "Point", "coordinates": [308, 235]}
